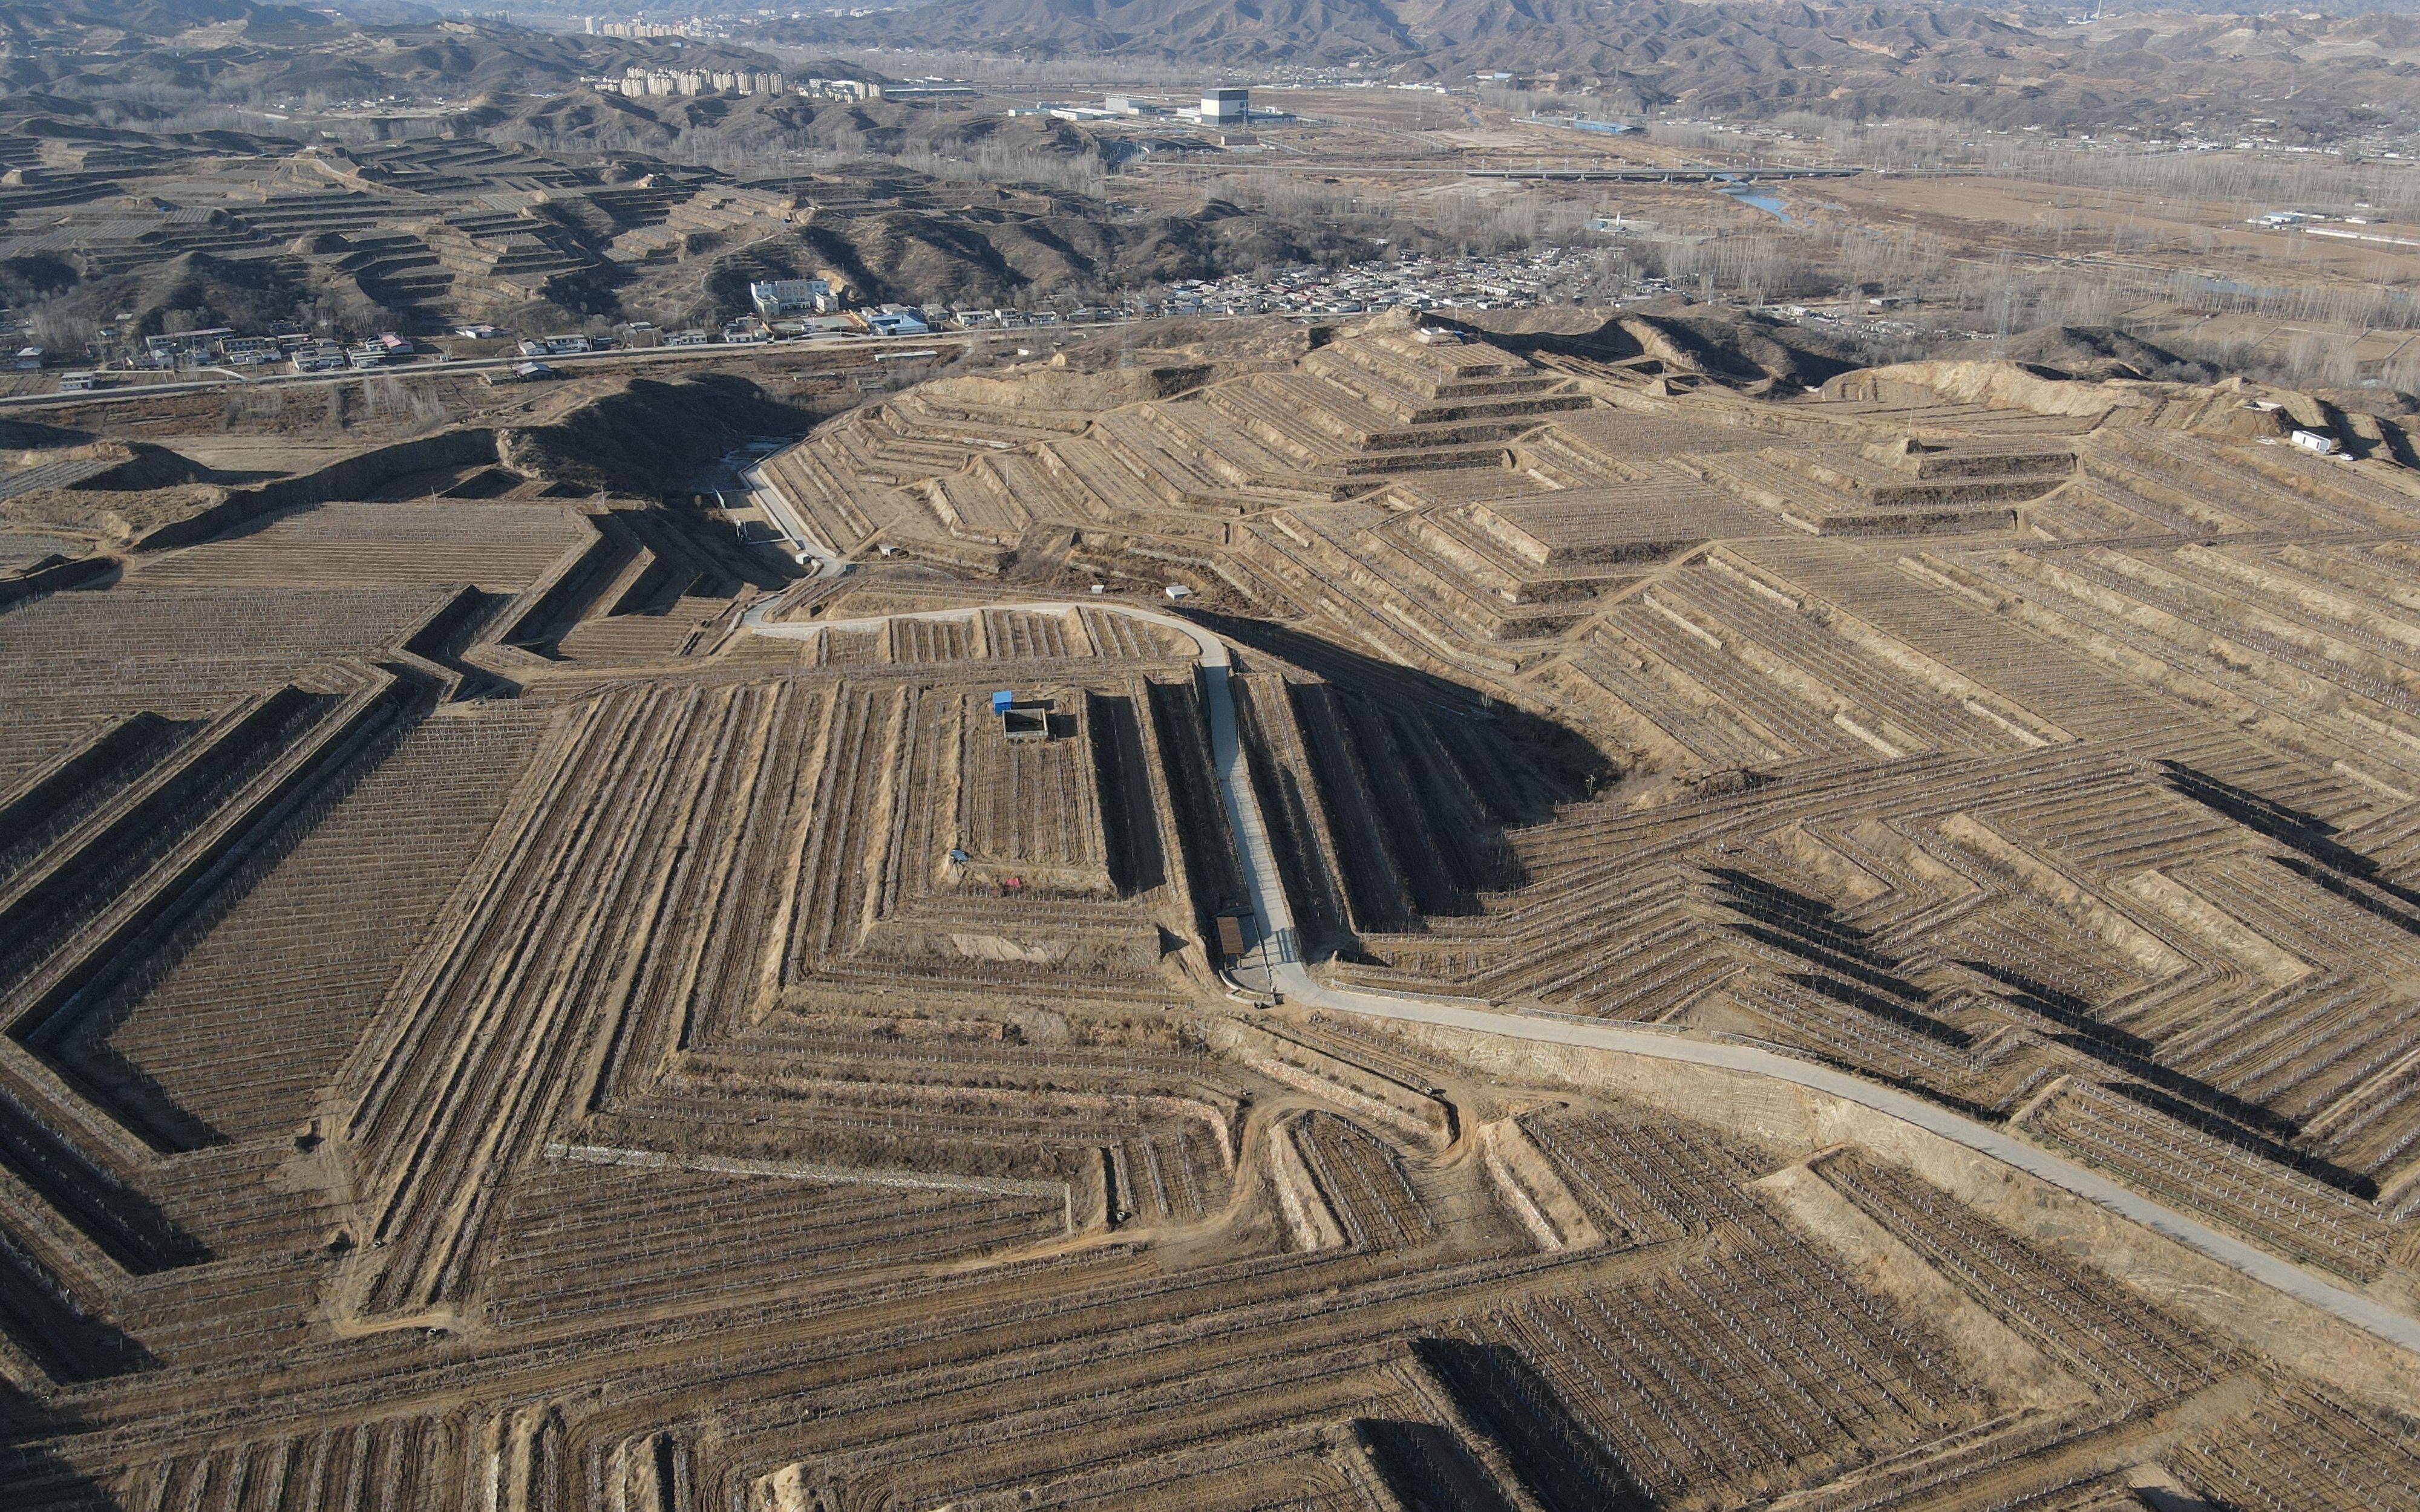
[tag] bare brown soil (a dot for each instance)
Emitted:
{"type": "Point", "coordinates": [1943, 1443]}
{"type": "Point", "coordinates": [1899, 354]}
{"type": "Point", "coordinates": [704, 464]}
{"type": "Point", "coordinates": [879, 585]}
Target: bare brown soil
{"type": "Point", "coordinates": [487, 1029]}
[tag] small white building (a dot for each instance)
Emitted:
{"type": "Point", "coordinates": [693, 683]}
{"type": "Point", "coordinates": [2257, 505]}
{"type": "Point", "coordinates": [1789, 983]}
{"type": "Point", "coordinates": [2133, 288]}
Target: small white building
{"type": "Point", "coordinates": [1177, 592]}
{"type": "Point", "coordinates": [2319, 441]}
{"type": "Point", "coordinates": [778, 296]}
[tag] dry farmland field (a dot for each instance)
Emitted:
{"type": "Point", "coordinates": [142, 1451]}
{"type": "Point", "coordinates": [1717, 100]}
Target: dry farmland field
{"type": "Point", "coordinates": [1540, 929]}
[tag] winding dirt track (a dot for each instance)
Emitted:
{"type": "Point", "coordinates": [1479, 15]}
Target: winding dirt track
{"type": "Point", "coordinates": [1276, 960]}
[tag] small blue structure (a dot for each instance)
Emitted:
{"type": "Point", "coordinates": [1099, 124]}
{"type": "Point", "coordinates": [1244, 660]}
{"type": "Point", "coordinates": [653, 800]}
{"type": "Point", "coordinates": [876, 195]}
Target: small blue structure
{"type": "Point", "coordinates": [1002, 701]}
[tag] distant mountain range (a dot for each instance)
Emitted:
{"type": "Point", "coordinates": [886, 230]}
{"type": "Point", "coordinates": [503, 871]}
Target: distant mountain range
{"type": "Point", "coordinates": [2316, 73]}
{"type": "Point", "coordinates": [236, 49]}
{"type": "Point", "coordinates": [2316, 77]}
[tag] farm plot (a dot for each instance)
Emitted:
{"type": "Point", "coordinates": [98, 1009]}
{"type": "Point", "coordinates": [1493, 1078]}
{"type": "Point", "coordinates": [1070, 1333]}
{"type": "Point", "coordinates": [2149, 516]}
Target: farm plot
{"type": "Point", "coordinates": [79, 661]}
{"type": "Point", "coordinates": [1034, 806]}
{"type": "Point", "coordinates": [589, 1237]}
{"type": "Point", "coordinates": [499, 547]}
{"type": "Point", "coordinates": [243, 1031]}
{"type": "Point", "coordinates": [486, 1012]}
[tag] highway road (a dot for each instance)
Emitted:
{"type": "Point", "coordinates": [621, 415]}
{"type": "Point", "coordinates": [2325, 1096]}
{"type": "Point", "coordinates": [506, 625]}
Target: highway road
{"type": "Point", "coordinates": [569, 363]}
{"type": "Point", "coordinates": [1277, 962]}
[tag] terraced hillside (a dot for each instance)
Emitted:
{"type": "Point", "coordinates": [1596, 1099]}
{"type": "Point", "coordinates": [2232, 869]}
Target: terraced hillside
{"type": "Point", "coordinates": [524, 1002]}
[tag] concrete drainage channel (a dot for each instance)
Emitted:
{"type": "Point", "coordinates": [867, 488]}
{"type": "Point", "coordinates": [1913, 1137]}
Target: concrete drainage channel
{"type": "Point", "coordinates": [1274, 965]}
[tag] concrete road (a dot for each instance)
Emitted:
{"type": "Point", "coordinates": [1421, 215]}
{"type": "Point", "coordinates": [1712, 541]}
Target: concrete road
{"type": "Point", "coordinates": [1276, 962]}
{"type": "Point", "coordinates": [792, 521]}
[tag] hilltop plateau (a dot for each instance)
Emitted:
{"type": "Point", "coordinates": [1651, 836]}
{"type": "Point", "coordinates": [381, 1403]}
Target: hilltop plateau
{"type": "Point", "coordinates": [1592, 907]}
